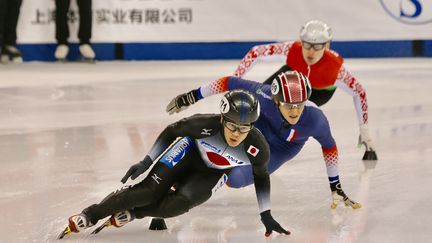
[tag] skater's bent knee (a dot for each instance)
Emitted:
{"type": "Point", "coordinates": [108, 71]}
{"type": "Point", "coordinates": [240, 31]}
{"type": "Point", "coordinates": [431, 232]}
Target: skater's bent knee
{"type": "Point", "coordinates": [177, 207]}
{"type": "Point", "coordinates": [237, 183]}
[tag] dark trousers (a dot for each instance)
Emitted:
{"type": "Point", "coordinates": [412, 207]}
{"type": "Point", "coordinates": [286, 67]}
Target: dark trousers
{"type": "Point", "coordinates": [153, 197]}
{"type": "Point", "coordinates": [193, 191]}
{"type": "Point", "coordinates": [85, 23]}
{"type": "Point", "coordinates": [9, 13]}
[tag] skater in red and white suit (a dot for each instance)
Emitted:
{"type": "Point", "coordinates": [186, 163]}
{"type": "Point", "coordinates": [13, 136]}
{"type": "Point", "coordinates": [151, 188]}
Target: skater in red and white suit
{"type": "Point", "coordinates": [311, 56]}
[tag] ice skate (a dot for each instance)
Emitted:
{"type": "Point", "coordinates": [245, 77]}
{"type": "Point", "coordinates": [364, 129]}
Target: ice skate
{"type": "Point", "coordinates": [61, 52]}
{"type": "Point", "coordinates": [77, 223]}
{"type": "Point", "coordinates": [157, 224]}
{"type": "Point", "coordinates": [87, 53]}
{"type": "Point", "coordinates": [118, 220]}
{"type": "Point", "coordinates": [370, 155]}
{"type": "Point", "coordinates": [11, 54]}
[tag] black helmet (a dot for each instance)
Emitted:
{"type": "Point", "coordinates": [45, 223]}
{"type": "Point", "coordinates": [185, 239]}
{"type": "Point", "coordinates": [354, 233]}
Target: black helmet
{"type": "Point", "coordinates": [240, 107]}
{"type": "Point", "coordinates": [291, 87]}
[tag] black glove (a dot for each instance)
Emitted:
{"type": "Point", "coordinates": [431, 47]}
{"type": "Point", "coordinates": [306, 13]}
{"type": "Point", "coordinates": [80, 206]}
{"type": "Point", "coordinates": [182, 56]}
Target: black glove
{"type": "Point", "coordinates": [181, 102]}
{"type": "Point", "coordinates": [339, 195]}
{"type": "Point", "coordinates": [137, 169]}
{"type": "Point", "coordinates": [271, 224]}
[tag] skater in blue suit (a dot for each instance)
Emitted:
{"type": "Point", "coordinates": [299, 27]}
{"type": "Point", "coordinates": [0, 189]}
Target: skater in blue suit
{"type": "Point", "coordinates": [287, 120]}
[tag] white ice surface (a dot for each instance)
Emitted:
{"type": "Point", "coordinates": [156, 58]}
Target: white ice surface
{"type": "Point", "coordinates": [68, 133]}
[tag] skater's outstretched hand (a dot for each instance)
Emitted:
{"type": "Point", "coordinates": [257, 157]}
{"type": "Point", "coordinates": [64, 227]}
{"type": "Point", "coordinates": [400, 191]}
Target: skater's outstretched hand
{"type": "Point", "coordinates": [137, 169]}
{"type": "Point", "coordinates": [183, 101]}
{"type": "Point", "coordinates": [271, 224]}
{"type": "Point", "coordinates": [364, 138]}
{"type": "Point", "coordinates": [339, 196]}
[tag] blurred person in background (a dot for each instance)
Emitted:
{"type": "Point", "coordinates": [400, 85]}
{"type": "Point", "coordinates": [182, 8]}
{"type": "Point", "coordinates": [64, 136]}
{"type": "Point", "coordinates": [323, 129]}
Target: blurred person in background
{"type": "Point", "coordinates": [84, 32]}
{"type": "Point", "coordinates": [9, 13]}
{"type": "Point", "coordinates": [312, 56]}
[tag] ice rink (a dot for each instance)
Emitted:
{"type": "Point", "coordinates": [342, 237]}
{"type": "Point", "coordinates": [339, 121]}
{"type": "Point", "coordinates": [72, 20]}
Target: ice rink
{"type": "Point", "coordinates": [69, 132]}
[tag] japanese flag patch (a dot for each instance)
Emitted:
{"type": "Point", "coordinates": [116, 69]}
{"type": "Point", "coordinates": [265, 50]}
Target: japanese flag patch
{"type": "Point", "coordinates": [253, 150]}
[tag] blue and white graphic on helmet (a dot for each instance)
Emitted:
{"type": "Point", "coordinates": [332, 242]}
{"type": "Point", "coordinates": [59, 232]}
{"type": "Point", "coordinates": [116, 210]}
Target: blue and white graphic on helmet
{"type": "Point", "coordinates": [224, 105]}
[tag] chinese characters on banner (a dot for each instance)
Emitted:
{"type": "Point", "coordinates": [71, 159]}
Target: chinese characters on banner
{"type": "Point", "coordinates": [160, 21]}
{"type": "Point", "coordinates": [121, 16]}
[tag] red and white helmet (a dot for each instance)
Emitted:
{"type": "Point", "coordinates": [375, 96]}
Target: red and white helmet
{"type": "Point", "coordinates": [316, 32]}
{"type": "Point", "coordinates": [291, 87]}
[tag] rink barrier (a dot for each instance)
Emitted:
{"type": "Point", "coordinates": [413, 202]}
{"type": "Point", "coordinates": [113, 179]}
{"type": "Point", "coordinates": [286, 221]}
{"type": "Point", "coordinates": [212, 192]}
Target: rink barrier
{"type": "Point", "coordinates": [225, 50]}
{"type": "Point", "coordinates": [45, 52]}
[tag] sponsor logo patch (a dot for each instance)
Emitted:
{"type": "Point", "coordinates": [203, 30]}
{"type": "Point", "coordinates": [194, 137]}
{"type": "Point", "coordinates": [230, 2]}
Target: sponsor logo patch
{"type": "Point", "coordinates": [210, 146]}
{"type": "Point", "coordinates": [177, 152]}
{"type": "Point", "coordinates": [206, 131]}
{"type": "Point", "coordinates": [156, 178]}
{"type": "Point", "coordinates": [234, 159]}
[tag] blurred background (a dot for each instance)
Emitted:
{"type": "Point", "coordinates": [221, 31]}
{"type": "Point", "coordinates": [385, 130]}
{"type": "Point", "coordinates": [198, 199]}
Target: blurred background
{"type": "Point", "coordinates": [224, 29]}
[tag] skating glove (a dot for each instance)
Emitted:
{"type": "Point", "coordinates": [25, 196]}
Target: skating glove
{"type": "Point", "coordinates": [271, 224]}
{"type": "Point", "coordinates": [364, 138]}
{"type": "Point", "coordinates": [339, 195]}
{"type": "Point", "coordinates": [137, 169]}
{"type": "Point", "coordinates": [183, 101]}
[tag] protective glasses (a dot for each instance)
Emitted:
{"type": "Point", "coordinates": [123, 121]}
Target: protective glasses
{"type": "Point", "coordinates": [316, 47]}
{"type": "Point", "coordinates": [235, 127]}
{"type": "Point", "coordinates": [291, 105]}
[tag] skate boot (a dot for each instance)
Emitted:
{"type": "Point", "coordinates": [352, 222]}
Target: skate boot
{"type": "Point", "coordinates": [61, 52]}
{"type": "Point", "coordinates": [77, 223]}
{"type": "Point", "coordinates": [118, 220]}
{"type": "Point", "coordinates": [11, 54]}
{"type": "Point", "coordinates": [87, 53]}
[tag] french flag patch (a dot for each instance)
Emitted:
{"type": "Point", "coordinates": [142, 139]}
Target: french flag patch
{"type": "Point", "coordinates": [253, 150]}
{"type": "Point", "coordinates": [292, 135]}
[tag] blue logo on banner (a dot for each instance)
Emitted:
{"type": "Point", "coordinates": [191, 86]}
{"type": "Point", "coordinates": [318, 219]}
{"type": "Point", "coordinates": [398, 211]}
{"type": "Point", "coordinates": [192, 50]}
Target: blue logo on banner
{"type": "Point", "coordinates": [177, 152]}
{"type": "Point", "coordinates": [415, 12]}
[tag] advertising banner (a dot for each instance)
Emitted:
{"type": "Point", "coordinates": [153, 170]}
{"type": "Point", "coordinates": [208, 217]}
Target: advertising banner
{"type": "Point", "coordinates": [231, 20]}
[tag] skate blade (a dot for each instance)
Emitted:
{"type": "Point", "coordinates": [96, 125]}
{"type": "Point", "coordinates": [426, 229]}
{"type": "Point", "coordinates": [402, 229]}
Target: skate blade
{"type": "Point", "coordinates": [62, 60]}
{"type": "Point", "coordinates": [157, 224]}
{"type": "Point", "coordinates": [65, 232]}
{"type": "Point", "coordinates": [104, 225]}
{"type": "Point", "coordinates": [333, 206]}
{"type": "Point", "coordinates": [370, 155]}
{"type": "Point", "coordinates": [353, 206]}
